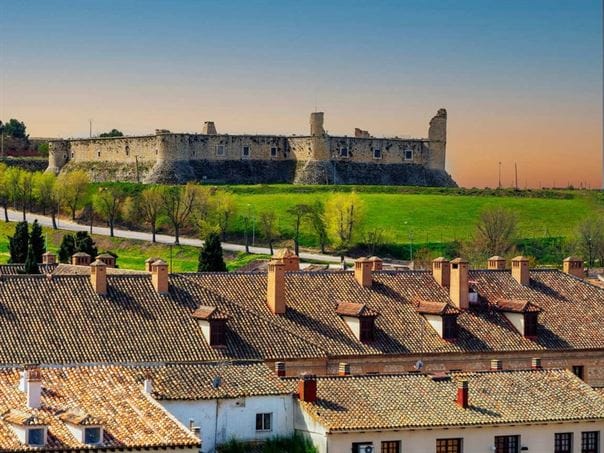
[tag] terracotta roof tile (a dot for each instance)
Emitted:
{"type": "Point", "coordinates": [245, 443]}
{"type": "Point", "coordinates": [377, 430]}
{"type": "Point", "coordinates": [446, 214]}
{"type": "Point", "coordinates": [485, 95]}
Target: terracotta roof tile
{"type": "Point", "coordinates": [517, 306]}
{"type": "Point", "coordinates": [436, 308]}
{"type": "Point", "coordinates": [355, 310]}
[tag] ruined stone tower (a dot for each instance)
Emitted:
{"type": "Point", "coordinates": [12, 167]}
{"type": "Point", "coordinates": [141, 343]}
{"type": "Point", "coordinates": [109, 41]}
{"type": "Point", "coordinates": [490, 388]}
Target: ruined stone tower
{"type": "Point", "coordinates": [437, 135]}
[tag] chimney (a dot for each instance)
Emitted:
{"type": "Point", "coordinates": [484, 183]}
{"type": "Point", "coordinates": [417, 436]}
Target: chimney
{"type": "Point", "coordinates": [289, 259]}
{"type": "Point", "coordinates": [275, 296]}
{"type": "Point", "coordinates": [344, 369]}
{"type": "Point", "coordinates": [81, 259]}
{"type": "Point", "coordinates": [149, 262]}
{"type": "Point", "coordinates": [462, 394]}
{"type": "Point", "coordinates": [376, 263]}
{"type": "Point", "coordinates": [49, 258]}
{"type": "Point", "coordinates": [148, 384]}
{"type": "Point", "coordinates": [98, 277]}
{"type": "Point", "coordinates": [362, 272]}
{"type": "Point", "coordinates": [458, 289]}
{"type": "Point", "coordinates": [280, 369]}
{"type": "Point", "coordinates": [496, 263]}
{"type": "Point", "coordinates": [307, 388]}
{"type": "Point", "coordinates": [536, 363]}
{"type": "Point", "coordinates": [441, 271]}
{"type": "Point", "coordinates": [496, 365]}
{"type": "Point", "coordinates": [520, 270]}
{"type": "Point", "coordinates": [159, 276]}
{"type": "Point", "coordinates": [107, 258]}
{"type": "Point", "coordinates": [573, 266]}
{"type": "Point", "coordinates": [33, 388]}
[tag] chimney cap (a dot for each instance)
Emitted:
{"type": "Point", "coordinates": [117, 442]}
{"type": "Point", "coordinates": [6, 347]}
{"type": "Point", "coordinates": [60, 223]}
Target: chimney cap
{"type": "Point", "coordinates": [497, 258]}
{"type": "Point", "coordinates": [459, 260]}
{"type": "Point", "coordinates": [520, 258]}
{"type": "Point", "coordinates": [105, 255]}
{"type": "Point", "coordinates": [285, 253]}
{"type": "Point", "coordinates": [49, 253]}
{"type": "Point", "coordinates": [572, 258]}
{"type": "Point", "coordinates": [151, 259]}
{"type": "Point", "coordinates": [82, 254]}
{"type": "Point", "coordinates": [440, 259]}
{"type": "Point", "coordinates": [98, 263]}
{"type": "Point", "coordinates": [158, 263]}
{"type": "Point", "coordinates": [375, 258]}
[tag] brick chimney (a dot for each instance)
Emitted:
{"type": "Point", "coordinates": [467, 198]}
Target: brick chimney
{"type": "Point", "coordinates": [496, 365]}
{"type": "Point", "coordinates": [307, 388]}
{"type": "Point", "coordinates": [458, 289]}
{"type": "Point", "coordinates": [289, 259]}
{"type": "Point", "coordinates": [462, 394]}
{"type": "Point", "coordinates": [81, 259]}
{"type": "Point", "coordinates": [362, 272]}
{"type": "Point", "coordinates": [496, 263]}
{"type": "Point", "coordinates": [520, 270]}
{"type": "Point", "coordinates": [441, 271]}
{"type": "Point", "coordinates": [149, 262]}
{"type": "Point", "coordinates": [536, 363]}
{"type": "Point", "coordinates": [275, 291]}
{"type": "Point", "coordinates": [33, 388]}
{"type": "Point", "coordinates": [377, 264]}
{"type": "Point", "coordinates": [107, 258]}
{"type": "Point", "coordinates": [573, 266]}
{"type": "Point", "coordinates": [98, 277]}
{"type": "Point", "coordinates": [344, 369]}
{"type": "Point", "coordinates": [159, 276]}
{"type": "Point", "coordinates": [280, 369]}
{"type": "Point", "coordinates": [49, 258]}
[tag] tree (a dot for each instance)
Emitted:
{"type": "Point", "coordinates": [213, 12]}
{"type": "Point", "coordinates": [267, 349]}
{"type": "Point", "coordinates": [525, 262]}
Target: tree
{"type": "Point", "coordinates": [26, 180]}
{"type": "Point", "coordinates": [18, 243]}
{"type": "Point", "coordinates": [4, 191]}
{"type": "Point", "coordinates": [268, 227]}
{"type": "Point", "coordinates": [31, 264]}
{"type": "Point", "coordinates": [44, 188]}
{"type": "Point", "coordinates": [85, 243]}
{"type": "Point", "coordinates": [112, 133]}
{"type": "Point", "coordinates": [178, 204]}
{"type": "Point", "coordinates": [108, 202]}
{"type": "Point", "coordinates": [210, 255]}
{"type": "Point", "coordinates": [374, 238]}
{"type": "Point", "coordinates": [224, 208]}
{"type": "Point", "coordinates": [73, 186]}
{"type": "Point", "coordinates": [14, 128]}
{"type": "Point", "coordinates": [14, 187]}
{"type": "Point", "coordinates": [67, 248]}
{"type": "Point", "coordinates": [149, 205]}
{"type": "Point", "coordinates": [36, 242]}
{"type": "Point", "coordinates": [496, 231]}
{"type": "Point", "coordinates": [298, 212]}
{"type": "Point", "coordinates": [343, 215]}
{"type": "Point", "coordinates": [590, 240]}
{"type": "Point", "coordinates": [317, 222]}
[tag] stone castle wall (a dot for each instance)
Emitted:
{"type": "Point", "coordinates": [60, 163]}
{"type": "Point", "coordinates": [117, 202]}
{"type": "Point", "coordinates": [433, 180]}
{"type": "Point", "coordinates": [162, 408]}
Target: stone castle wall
{"type": "Point", "coordinates": [221, 158]}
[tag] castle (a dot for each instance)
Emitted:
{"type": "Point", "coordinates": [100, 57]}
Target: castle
{"type": "Point", "coordinates": [210, 157]}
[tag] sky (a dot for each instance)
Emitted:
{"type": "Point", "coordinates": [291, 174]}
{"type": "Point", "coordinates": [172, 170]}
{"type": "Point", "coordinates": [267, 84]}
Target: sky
{"type": "Point", "coordinates": [521, 80]}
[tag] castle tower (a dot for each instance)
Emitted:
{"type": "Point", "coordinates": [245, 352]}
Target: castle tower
{"type": "Point", "coordinates": [437, 134]}
{"type": "Point", "coordinates": [319, 140]}
{"type": "Point", "coordinates": [58, 155]}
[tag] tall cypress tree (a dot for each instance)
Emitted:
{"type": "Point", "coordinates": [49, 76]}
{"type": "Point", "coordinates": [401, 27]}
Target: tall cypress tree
{"type": "Point", "coordinates": [31, 263]}
{"type": "Point", "coordinates": [37, 241]}
{"type": "Point", "coordinates": [18, 244]}
{"type": "Point", "coordinates": [210, 255]}
{"type": "Point", "coordinates": [67, 248]}
{"type": "Point", "coordinates": [85, 243]}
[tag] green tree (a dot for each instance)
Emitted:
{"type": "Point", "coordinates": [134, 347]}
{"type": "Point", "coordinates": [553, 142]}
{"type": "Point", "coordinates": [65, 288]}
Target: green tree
{"type": "Point", "coordinates": [18, 243]}
{"type": "Point", "coordinates": [14, 188]}
{"type": "Point", "coordinates": [31, 264]}
{"type": "Point", "coordinates": [44, 188]}
{"type": "Point", "coordinates": [343, 215]}
{"type": "Point", "coordinates": [317, 222]}
{"type": "Point", "coordinates": [590, 240]}
{"type": "Point", "coordinates": [298, 213]}
{"type": "Point", "coordinates": [14, 128]}
{"type": "Point", "coordinates": [112, 133]}
{"type": "Point", "coordinates": [26, 181]}
{"type": "Point", "coordinates": [224, 208]}
{"type": "Point", "coordinates": [496, 231]}
{"type": "Point", "coordinates": [36, 241]}
{"type": "Point", "coordinates": [85, 243]}
{"type": "Point", "coordinates": [4, 191]}
{"type": "Point", "coordinates": [178, 204]}
{"type": "Point", "coordinates": [108, 202]}
{"type": "Point", "coordinates": [268, 227]}
{"type": "Point", "coordinates": [73, 186]}
{"type": "Point", "coordinates": [67, 248]}
{"type": "Point", "coordinates": [149, 204]}
{"type": "Point", "coordinates": [210, 255]}
{"type": "Point", "coordinates": [43, 149]}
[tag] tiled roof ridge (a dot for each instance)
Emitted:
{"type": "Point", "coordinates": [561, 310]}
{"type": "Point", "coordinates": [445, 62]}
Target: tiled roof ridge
{"type": "Point", "coordinates": [269, 319]}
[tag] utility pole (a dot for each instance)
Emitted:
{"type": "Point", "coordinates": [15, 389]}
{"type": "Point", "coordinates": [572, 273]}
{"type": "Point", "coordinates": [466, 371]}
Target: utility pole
{"type": "Point", "coordinates": [90, 128]}
{"type": "Point", "coordinates": [515, 175]}
{"type": "Point", "coordinates": [499, 184]}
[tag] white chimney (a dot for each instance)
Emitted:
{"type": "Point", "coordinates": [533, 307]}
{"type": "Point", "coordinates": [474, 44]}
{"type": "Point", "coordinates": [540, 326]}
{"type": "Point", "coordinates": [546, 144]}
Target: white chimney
{"type": "Point", "coordinates": [33, 388]}
{"type": "Point", "coordinates": [148, 385]}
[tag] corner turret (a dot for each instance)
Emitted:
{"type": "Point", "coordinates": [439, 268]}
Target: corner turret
{"type": "Point", "coordinates": [58, 155]}
{"type": "Point", "coordinates": [437, 134]}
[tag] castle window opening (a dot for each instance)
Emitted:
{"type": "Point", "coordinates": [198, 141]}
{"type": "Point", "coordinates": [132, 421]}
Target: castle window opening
{"type": "Point", "coordinates": [127, 150]}
{"type": "Point", "coordinates": [72, 154]}
{"type": "Point", "coordinates": [408, 154]}
{"type": "Point", "coordinates": [344, 152]}
{"type": "Point", "coordinates": [245, 151]}
{"type": "Point", "coordinates": [377, 153]}
{"type": "Point", "coordinates": [220, 150]}
{"type": "Point", "coordinates": [273, 151]}
{"type": "Point", "coordinates": [98, 153]}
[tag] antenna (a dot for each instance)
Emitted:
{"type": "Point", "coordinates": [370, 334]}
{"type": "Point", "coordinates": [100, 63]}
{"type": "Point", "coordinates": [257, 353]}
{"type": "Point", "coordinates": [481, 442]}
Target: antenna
{"type": "Point", "coordinates": [418, 365]}
{"type": "Point", "coordinates": [515, 175]}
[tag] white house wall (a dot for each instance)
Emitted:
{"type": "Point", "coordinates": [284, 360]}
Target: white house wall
{"type": "Point", "coordinates": [224, 419]}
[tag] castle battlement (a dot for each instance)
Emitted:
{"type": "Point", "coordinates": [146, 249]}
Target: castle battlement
{"type": "Point", "coordinates": [317, 158]}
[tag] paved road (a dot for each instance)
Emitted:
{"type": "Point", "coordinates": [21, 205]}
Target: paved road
{"type": "Point", "coordinates": [17, 216]}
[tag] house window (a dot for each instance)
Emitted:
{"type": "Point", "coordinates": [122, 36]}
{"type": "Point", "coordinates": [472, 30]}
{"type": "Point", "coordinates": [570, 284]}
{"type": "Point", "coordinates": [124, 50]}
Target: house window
{"type": "Point", "coordinates": [366, 329]}
{"type": "Point", "coordinates": [530, 324]}
{"type": "Point", "coordinates": [377, 153]}
{"type": "Point", "coordinates": [563, 443]}
{"type": "Point", "coordinates": [449, 445]}
{"type": "Point", "coordinates": [590, 441]}
{"type": "Point", "coordinates": [217, 333]}
{"type": "Point", "coordinates": [273, 151]}
{"type": "Point", "coordinates": [507, 444]}
{"type": "Point", "coordinates": [35, 436]}
{"type": "Point", "coordinates": [245, 151]}
{"type": "Point", "coordinates": [391, 446]}
{"type": "Point", "coordinates": [449, 327]}
{"type": "Point", "coordinates": [362, 447]}
{"type": "Point", "coordinates": [408, 154]}
{"type": "Point", "coordinates": [220, 150]}
{"type": "Point", "coordinates": [92, 436]}
{"type": "Point", "coordinates": [579, 371]}
{"type": "Point", "coordinates": [344, 152]}
{"type": "Point", "coordinates": [264, 422]}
